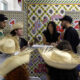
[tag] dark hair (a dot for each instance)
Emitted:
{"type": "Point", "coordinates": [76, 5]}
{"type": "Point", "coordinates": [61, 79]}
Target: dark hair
{"type": "Point", "coordinates": [67, 18]}
{"type": "Point", "coordinates": [54, 28]}
{"type": "Point", "coordinates": [3, 17]}
{"type": "Point", "coordinates": [79, 22]}
{"type": "Point", "coordinates": [64, 45]}
{"type": "Point", "coordinates": [13, 33]}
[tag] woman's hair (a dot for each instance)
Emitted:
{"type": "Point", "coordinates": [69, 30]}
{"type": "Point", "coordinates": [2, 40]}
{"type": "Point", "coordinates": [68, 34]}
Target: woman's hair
{"type": "Point", "coordinates": [64, 45]}
{"type": "Point", "coordinates": [54, 27]}
{"type": "Point", "coordinates": [13, 33]}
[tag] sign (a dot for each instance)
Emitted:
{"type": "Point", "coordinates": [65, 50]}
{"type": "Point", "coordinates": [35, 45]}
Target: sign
{"type": "Point", "coordinates": [11, 22]}
{"type": "Point", "coordinates": [76, 24]}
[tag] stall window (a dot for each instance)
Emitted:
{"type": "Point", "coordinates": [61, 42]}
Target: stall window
{"type": "Point", "coordinates": [3, 5]}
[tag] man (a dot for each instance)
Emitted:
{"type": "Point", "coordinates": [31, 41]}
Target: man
{"type": "Point", "coordinates": [79, 30]}
{"type": "Point", "coordinates": [3, 20]}
{"type": "Point", "coordinates": [70, 34]}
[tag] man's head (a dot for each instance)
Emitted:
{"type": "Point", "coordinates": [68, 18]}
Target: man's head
{"type": "Point", "coordinates": [3, 20]}
{"type": "Point", "coordinates": [65, 21]}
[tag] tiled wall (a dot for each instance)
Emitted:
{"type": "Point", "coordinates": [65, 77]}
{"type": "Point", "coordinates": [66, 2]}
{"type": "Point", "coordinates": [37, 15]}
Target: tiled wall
{"type": "Point", "coordinates": [36, 14]}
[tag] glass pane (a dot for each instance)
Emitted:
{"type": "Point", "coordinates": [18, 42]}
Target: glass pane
{"type": "Point", "coordinates": [3, 5]}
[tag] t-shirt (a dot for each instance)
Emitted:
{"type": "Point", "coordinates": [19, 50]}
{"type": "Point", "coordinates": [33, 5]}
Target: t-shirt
{"type": "Point", "coordinates": [22, 42]}
{"type": "Point", "coordinates": [51, 38]}
{"type": "Point", "coordinates": [72, 36]}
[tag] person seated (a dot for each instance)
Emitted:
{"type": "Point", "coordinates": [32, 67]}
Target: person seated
{"type": "Point", "coordinates": [50, 35]}
{"type": "Point", "coordinates": [8, 46]}
{"type": "Point", "coordinates": [63, 74]}
{"type": "Point", "coordinates": [17, 30]}
{"type": "Point", "coordinates": [13, 62]}
{"type": "Point", "coordinates": [61, 62]}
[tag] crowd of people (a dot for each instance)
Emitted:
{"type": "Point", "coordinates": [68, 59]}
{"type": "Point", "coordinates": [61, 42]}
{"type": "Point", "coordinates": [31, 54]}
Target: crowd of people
{"type": "Point", "coordinates": [70, 42]}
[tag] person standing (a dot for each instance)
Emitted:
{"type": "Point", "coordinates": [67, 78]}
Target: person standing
{"type": "Point", "coordinates": [13, 62]}
{"type": "Point", "coordinates": [62, 74]}
{"type": "Point", "coordinates": [3, 20]}
{"type": "Point", "coordinates": [70, 33]}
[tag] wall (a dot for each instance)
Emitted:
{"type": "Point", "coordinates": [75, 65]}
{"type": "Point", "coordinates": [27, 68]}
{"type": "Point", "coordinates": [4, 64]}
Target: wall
{"type": "Point", "coordinates": [40, 12]}
{"type": "Point", "coordinates": [53, 1]}
{"type": "Point", "coordinates": [14, 17]}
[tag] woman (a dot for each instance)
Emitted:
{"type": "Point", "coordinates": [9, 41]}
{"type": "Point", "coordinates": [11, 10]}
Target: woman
{"type": "Point", "coordinates": [51, 35]}
{"type": "Point", "coordinates": [17, 30]}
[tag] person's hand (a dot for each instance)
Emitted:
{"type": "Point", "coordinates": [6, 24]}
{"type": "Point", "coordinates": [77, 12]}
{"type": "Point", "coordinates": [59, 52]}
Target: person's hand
{"type": "Point", "coordinates": [24, 48]}
{"type": "Point", "coordinates": [62, 35]}
{"type": "Point", "coordinates": [54, 44]}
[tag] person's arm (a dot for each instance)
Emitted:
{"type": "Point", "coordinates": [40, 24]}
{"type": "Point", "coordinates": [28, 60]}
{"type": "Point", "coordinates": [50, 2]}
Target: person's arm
{"type": "Point", "coordinates": [44, 41]}
{"type": "Point", "coordinates": [62, 35]}
{"type": "Point", "coordinates": [58, 39]}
